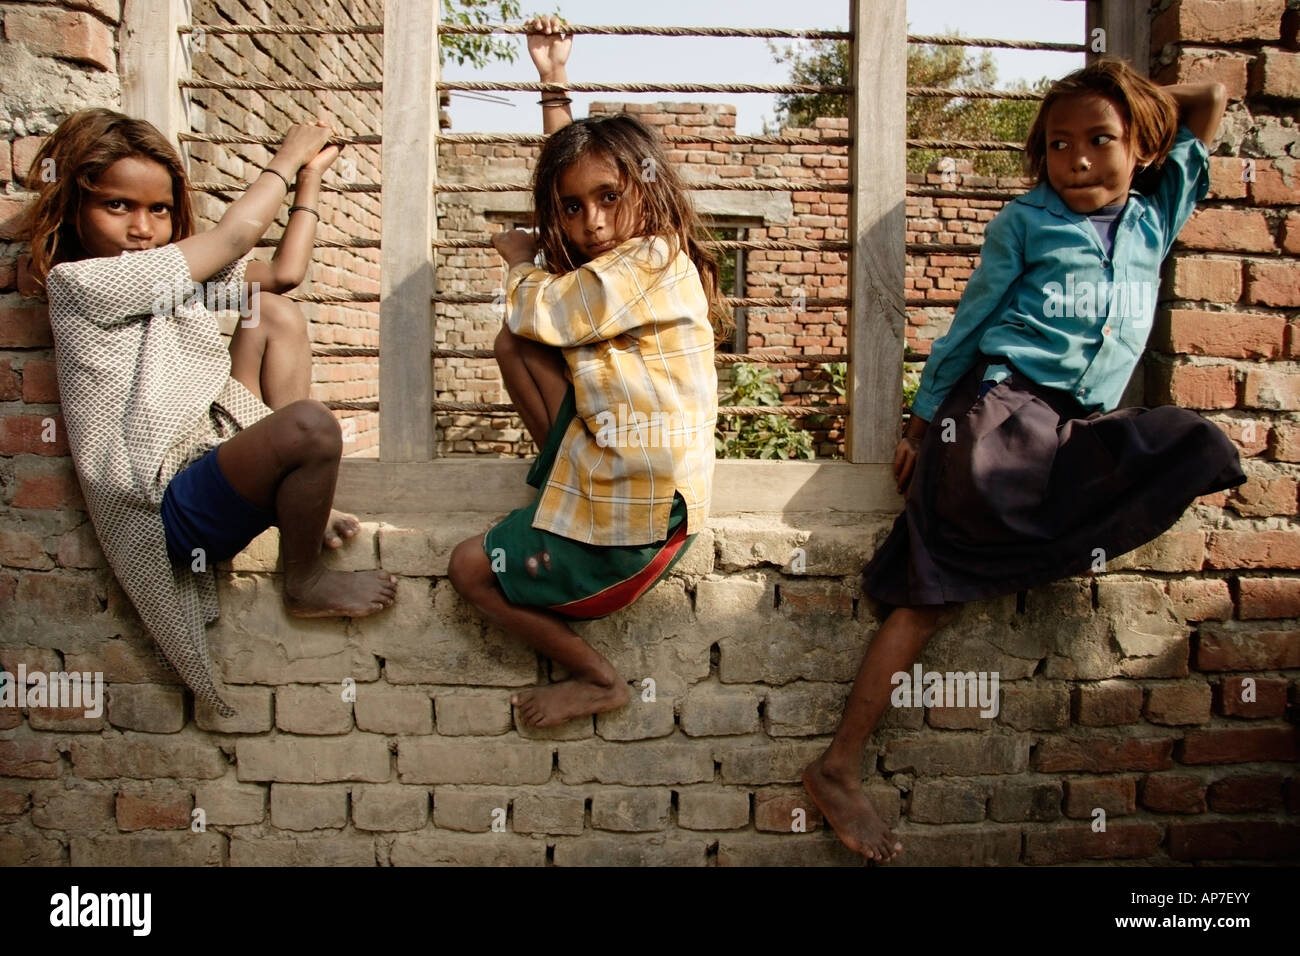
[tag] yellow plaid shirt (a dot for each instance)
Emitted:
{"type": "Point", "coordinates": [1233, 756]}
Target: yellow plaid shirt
{"type": "Point", "coordinates": [634, 328]}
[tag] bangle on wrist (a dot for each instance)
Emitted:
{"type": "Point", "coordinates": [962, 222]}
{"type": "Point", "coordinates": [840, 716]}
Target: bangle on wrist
{"type": "Point", "coordinates": [294, 209]}
{"type": "Point", "coordinates": [288, 187]}
{"type": "Point", "coordinates": [555, 101]}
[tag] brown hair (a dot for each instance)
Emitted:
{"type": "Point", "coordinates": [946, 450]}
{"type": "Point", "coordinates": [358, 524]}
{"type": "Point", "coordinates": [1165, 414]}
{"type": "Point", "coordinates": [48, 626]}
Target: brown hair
{"type": "Point", "coordinates": [1150, 112]}
{"type": "Point", "coordinates": [642, 165]}
{"type": "Point", "coordinates": [84, 145]}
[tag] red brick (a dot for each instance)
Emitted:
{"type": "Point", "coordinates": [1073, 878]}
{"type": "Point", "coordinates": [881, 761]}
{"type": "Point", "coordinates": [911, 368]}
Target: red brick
{"type": "Point", "coordinates": [1102, 754]}
{"type": "Point", "coordinates": [24, 151]}
{"type": "Point", "coordinates": [46, 483]}
{"type": "Point", "coordinates": [1225, 334]}
{"type": "Point", "coordinates": [1173, 793]}
{"type": "Point", "coordinates": [1246, 794]}
{"type": "Point", "coordinates": [1273, 283]}
{"type": "Point", "coordinates": [1201, 599]}
{"type": "Point", "coordinates": [1207, 280]}
{"type": "Point", "coordinates": [1193, 386]}
{"type": "Point", "coordinates": [11, 385]}
{"type": "Point", "coordinates": [1116, 795]}
{"type": "Point", "coordinates": [1253, 549]}
{"type": "Point", "coordinates": [1248, 745]}
{"type": "Point", "coordinates": [1226, 172]}
{"type": "Point", "coordinates": [1285, 442]}
{"type": "Point", "coordinates": [1260, 497]}
{"type": "Point", "coordinates": [1293, 339]}
{"type": "Point", "coordinates": [1272, 389]}
{"type": "Point", "coordinates": [79, 548]}
{"type": "Point", "coordinates": [1276, 73]}
{"type": "Point", "coordinates": [1289, 240]}
{"type": "Point", "coordinates": [1223, 647]}
{"type": "Point", "coordinates": [162, 810]}
{"type": "Point", "coordinates": [24, 434]}
{"type": "Point", "coordinates": [1107, 704]}
{"type": "Point", "coordinates": [40, 382]}
{"type": "Point", "coordinates": [79, 37]}
{"type": "Point", "coordinates": [1124, 841]}
{"type": "Point", "coordinates": [6, 170]}
{"type": "Point", "coordinates": [1178, 704]}
{"type": "Point", "coordinates": [1274, 185]}
{"type": "Point", "coordinates": [1262, 598]}
{"type": "Point", "coordinates": [1269, 694]}
{"type": "Point", "coordinates": [1227, 230]}
{"type": "Point", "coordinates": [1250, 435]}
{"type": "Point", "coordinates": [10, 217]}
{"type": "Point", "coordinates": [774, 811]}
{"type": "Point", "coordinates": [24, 328]}
{"type": "Point", "coordinates": [1198, 65]}
{"type": "Point", "coordinates": [35, 755]}
{"type": "Point", "coordinates": [1233, 840]}
{"type": "Point", "coordinates": [1217, 21]}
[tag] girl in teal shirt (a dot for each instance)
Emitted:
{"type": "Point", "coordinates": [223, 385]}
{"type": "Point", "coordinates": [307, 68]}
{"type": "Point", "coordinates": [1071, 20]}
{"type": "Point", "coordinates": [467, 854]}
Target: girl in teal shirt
{"type": "Point", "coordinates": [1017, 467]}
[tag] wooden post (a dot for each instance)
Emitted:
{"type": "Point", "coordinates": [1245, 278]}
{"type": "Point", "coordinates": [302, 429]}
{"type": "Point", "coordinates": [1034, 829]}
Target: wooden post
{"type": "Point", "coordinates": [879, 228]}
{"type": "Point", "coordinates": [406, 281]}
{"type": "Point", "coordinates": [153, 61]}
{"type": "Point", "coordinates": [1126, 31]}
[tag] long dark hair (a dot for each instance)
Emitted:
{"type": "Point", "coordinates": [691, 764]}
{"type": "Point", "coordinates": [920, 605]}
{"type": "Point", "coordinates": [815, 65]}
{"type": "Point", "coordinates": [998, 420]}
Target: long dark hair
{"type": "Point", "coordinates": [642, 165]}
{"type": "Point", "coordinates": [1151, 113]}
{"type": "Point", "coordinates": [84, 145]}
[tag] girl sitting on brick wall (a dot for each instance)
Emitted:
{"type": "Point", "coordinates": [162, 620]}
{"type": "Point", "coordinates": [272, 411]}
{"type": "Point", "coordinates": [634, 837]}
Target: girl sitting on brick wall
{"type": "Point", "coordinates": [179, 452]}
{"type": "Point", "coordinates": [608, 357]}
{"type": "Point", "coordinates": [1018, 469]}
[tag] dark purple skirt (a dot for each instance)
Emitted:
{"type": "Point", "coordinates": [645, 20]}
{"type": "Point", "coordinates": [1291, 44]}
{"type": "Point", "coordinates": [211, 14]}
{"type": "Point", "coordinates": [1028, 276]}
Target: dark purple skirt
{"type": "Point", "coordinates": [1021, 487]}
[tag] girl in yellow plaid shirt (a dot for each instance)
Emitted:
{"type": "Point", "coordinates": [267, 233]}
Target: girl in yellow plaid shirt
{"type": "Point", "coordinates": [608, 357]}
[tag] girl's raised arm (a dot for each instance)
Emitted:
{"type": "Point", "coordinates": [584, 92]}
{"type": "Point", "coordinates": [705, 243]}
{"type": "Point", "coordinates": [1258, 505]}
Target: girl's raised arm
{"type": "Point", "coordinates": [249, 216]}
{"type": "Point", "coordinates": [1200, 107]}
{"type": "Point", "coordinates": [549, 47]}
{"type": "Point", "coordinates": [288, 267]}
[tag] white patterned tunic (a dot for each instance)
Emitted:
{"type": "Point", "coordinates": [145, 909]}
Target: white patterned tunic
{"type": "Point", "coordinates": [144, 378]}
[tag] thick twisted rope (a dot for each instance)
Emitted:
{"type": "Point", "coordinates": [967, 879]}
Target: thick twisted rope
{"type": "Point", "coordinates": [756, 357]}
{"type": "Point", "coordinates": [501, 408]}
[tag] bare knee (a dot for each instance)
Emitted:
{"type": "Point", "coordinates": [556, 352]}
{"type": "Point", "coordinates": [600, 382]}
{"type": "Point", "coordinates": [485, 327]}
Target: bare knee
{"type": "Point", "coordinates": [465, 567]}
{"type": "Point", "coordinates": [277, 316]}
{"type": "Point", "coordinates": [308, 431]}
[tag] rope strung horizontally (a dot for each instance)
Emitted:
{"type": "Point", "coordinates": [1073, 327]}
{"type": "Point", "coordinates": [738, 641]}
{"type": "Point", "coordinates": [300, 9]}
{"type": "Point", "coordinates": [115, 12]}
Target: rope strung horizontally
{"type": "Point", "coordinates": [752, 245]}
{"type": "Point", "coordinates": [327, 243]}
{"type": "Point", "coordinates": [762, 33]}
{"type": "Point", "coordinates": [365, 139]}
{"type": "Point", "coordinates": [769, 302]}
{"type": "Point", "coordinates": [986, 145]}
{"type": "Point", "coordinates": [501, 408]}
{"type": "Point", "coordinates": [722, 185]}
{"type": "Point", "coordinates": [726, 139]}
{"type": "Point", "coordinates": [972, 93]}
{"type": "Point", "coordinates": [756, 357]}
{"type": "Point", "coordinates": [485, 86]}
{"type": "Point", "coordinates": [939, 192]}
{"type": "Point", "coordinates": [207, 187]}
{"type": "Point", "coordinates": [942, 248]}
{"type": "Point", "coordinates": [364, 86]}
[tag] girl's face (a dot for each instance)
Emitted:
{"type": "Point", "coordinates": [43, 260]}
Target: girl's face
{"type": "Point", "coordinates": [130, 208]}
{"type": "Point", "coordinates": [1090, 158]}
{"type": "Point", "coordinates": [598, 210]}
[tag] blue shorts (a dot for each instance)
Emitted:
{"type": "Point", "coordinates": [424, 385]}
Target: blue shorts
{"type": "Point", "coordinates": [201, 510]}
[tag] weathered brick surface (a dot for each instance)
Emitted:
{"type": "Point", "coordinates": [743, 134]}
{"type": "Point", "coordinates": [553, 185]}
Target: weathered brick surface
{"type": "Point", "coordinates": [1177, 704]}
{"type": "Point", "coordinates": [295, 807]}
{"type": "Point", "coordinates": [1015, 802]}
{"type": "Point", "coordinates": [74, 810]}
{"type": "Point", "coordinates": [1234, 840]}
{"type": "Point", "coordinates": [1229, 745]}
{"type": "Point", "coordinates": [1102, 754]}
{"type": "Point", "coordinates": [631, 809]}
{"type": "Point", "coordinates": [657, 850]}
{"type": "Point", "coordinates": [162, 807]}
{"type": "Point", "coordinates": [152, 708]}
{"type": "Point", "coordinates": [148, 849]}
{"type": "Point", "coordinates": [549, 811]}
{"type": "Point", "coordinates": [1078, 841]}
{"type": "Point", "coordinates": [1246, 794]}
{"type": "Point", "coordinates": [389, 808]}
{"type": "Point", "coordinates": [940, 801]}
{"type": "Point", "coordinates": [1107, 704]}
{"type": "Point", "coordinates": [472, 761]}
{"type": "Point", "coordinates": [471, 810]}
{"type": "Point", "coordinates": [326, 848]}
{"type": "Point", "coordinates": [472, 713]}
{"type": "Point", "coordinates": [706, 808]}
{"type": "Point", "coordinates": [382, 709]}
{"type": "Point", "coordinates": [1173, 793]}
{"type": "Point", "coordinates": [254, 712]}
{"type": "Point", "coordinates": [288, 759]}
{"type": "Point", "coordinates": [312, 710]}
{"type": "Point", "coordinates": [1255, 697]}
{"type": "Point", "coordinates": [143, 756]}
{"type": "Point", "coordinates": [454, 849]}
{"type": "Point", "coordinates": [230, 803]}
{"type": "Point", "coordinates": [710, 710]}
{"type": "Point", "coordinates": [1115, 795]}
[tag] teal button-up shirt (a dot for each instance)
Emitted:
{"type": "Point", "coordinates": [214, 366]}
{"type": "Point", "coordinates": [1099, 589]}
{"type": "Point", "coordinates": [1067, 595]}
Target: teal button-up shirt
{"type": "Point", "coordinates": [1047, 298]}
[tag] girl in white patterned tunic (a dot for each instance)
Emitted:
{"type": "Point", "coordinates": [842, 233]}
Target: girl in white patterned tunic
{"type": "Point", "coordinates": [185, 451]}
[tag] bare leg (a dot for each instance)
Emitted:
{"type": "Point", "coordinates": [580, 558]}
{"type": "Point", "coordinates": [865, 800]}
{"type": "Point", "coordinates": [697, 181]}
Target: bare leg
{"type": "Point", "coordinates": [290, 461]}
{"type": "Point", "coordinates": [834, 780]}
{"type": "Point", "coordinates": [271, 357]}
{"type": "Point", "coordinates": [534, 376]}
{"type": "Point", "coordinates": [594, 686]}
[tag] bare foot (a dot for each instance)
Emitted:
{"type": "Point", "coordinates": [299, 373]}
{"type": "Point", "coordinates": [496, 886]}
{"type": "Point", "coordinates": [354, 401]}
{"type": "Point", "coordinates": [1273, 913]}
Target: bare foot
{"type": "Point", "coordinates": [341, 594]}
{"type": "Point", "coordinates": [551, 704]}
{"type": "Point", "coordinates": [849, 812]}
{"type": "Point", "coordinates": [341, 525]}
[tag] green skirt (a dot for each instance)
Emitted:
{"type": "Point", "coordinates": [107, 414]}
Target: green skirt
{"type": "Point", "coordinates": [538, 568]}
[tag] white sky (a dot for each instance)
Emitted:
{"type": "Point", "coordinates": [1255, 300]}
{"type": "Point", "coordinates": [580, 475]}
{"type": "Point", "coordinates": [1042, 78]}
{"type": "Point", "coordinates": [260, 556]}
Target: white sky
{"type": "Point", "coordinates": [708, 60]}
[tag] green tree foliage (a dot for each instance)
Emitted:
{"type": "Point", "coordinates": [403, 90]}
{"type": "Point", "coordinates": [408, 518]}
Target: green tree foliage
{"type": "Point", "coordinates": [826, 62]}
{"type": "Point", "coordinates": [476, 50]}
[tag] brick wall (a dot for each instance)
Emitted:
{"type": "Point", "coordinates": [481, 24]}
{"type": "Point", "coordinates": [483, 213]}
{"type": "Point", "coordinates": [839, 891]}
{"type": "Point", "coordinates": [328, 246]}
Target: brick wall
{"type": "Point", "coordinates": [344, 215]}
{"type": "Point", "coordinates": [390, 740]}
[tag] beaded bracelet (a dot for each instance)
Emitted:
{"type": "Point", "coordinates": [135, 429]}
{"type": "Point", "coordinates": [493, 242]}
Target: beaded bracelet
{"type": "Point", "coordinates": [294, 209]}
{"type": "Point", "coordinates": [287, 186]}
